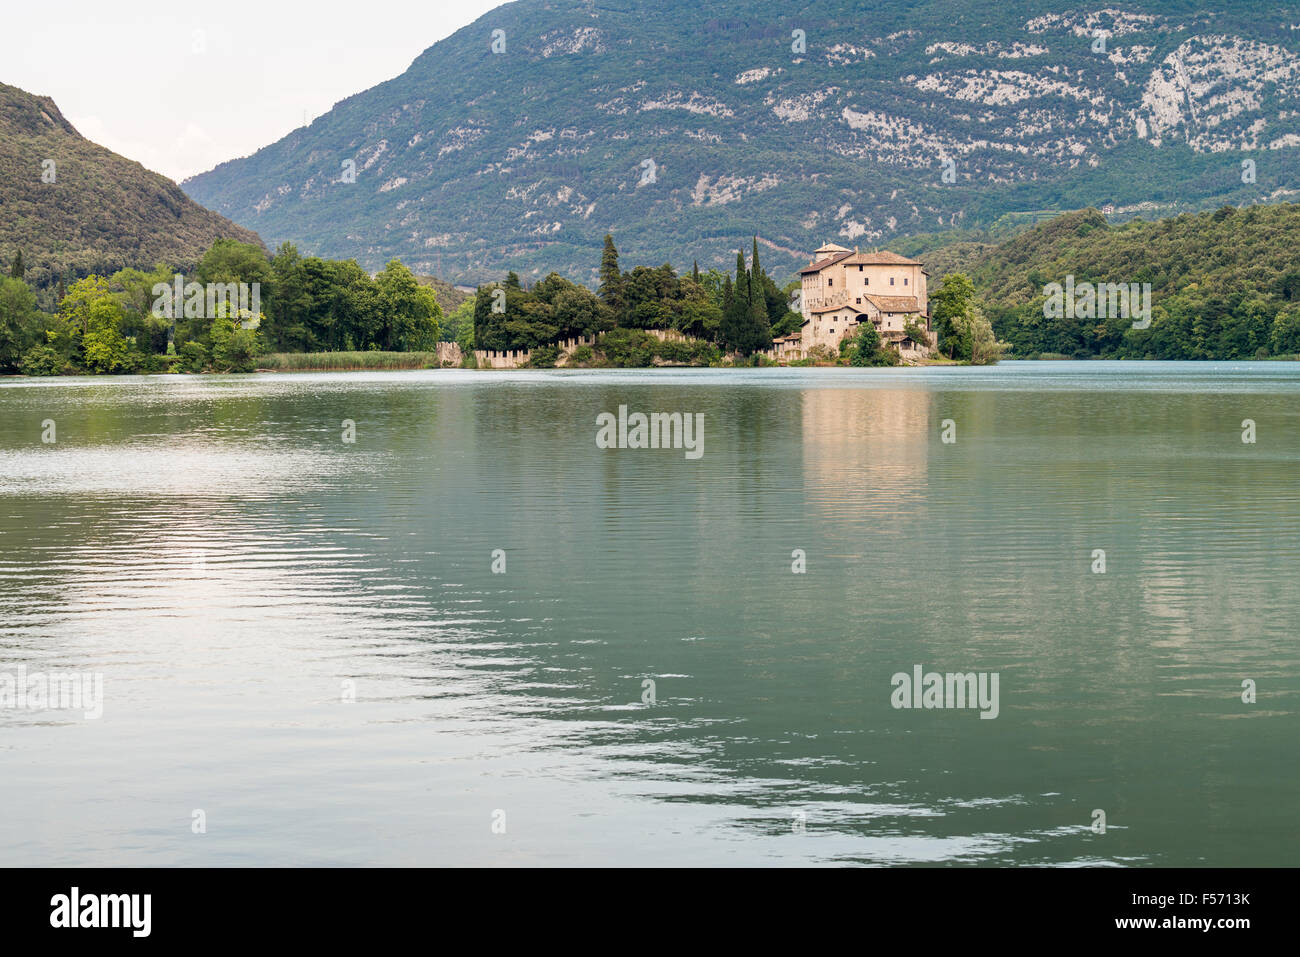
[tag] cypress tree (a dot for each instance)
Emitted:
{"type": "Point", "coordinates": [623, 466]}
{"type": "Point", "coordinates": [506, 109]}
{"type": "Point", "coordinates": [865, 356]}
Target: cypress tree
{"type": "Point", "coordinates": [734, 311]}
{"type": "Point", "coordinates": [17, 270]}
{"type": "Point", "coordinates": [611, 280]}
{"type": "Point", "coordinates": [758, 328]}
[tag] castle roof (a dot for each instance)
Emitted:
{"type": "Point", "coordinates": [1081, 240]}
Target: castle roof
{"type": "Point", "coordinates": [882, 258]}
{"type": "Point", "coordinates": [895, 303]}
{"type": "Point", "coordinates": [821, 264]}
{"type": "Point", "coordinates": [837, 254]}
{"type": "Point", "coordinates": [891, 304]}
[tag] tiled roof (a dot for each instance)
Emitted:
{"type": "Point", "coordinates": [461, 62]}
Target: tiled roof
{"type": "Point", "coordinates": [844, 305]}
{"type": "Point", "coordinates": [882, 258]}
{"type": "Point", "coordinates": [822, 264]}
{"type": "Point", "coordinates": [894, 303]}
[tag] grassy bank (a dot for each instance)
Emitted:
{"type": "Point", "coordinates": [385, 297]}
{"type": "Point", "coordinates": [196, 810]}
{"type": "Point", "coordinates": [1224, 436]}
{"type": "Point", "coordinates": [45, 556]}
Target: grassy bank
{"type": "Point", "coordinates": [345, 361]}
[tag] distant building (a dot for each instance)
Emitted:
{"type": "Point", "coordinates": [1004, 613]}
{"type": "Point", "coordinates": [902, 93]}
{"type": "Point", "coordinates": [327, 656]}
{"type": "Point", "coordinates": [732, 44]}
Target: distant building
{"type": "Point", "coordinates": [843, 288]}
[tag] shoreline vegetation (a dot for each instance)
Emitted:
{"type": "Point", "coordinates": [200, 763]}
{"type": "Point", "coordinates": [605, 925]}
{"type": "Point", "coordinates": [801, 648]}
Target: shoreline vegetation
{"type": "Point", "coordinates": [1224, 286]}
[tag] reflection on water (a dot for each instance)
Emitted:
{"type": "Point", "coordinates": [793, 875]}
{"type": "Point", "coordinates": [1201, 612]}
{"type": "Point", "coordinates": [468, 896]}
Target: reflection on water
{"type": "Point", "coordinates": [237, 573]}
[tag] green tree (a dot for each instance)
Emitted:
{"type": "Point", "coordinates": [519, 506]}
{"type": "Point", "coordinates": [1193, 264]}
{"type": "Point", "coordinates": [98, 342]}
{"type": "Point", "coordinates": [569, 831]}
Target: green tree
{"type": "Point", "coordinates": [1284, 336]}
{"type": "Point", "coordinates": [229, 260]}
{"type": "Point", "coordinates": [916, 331]}
{"type": "Point", "coordinates": [978, 343]}
{"type": "Point", "coordinates": [733, 332]}
{"type": "Point", "coordinates": [105, 348]}
{"type": "Point", "coordinates": [868, 350]}
{"type": "Point", "coordinates": [611, 280]}
{"type": "Point", "coordinates": [19, 323]}
{"type": "Point", "coordinates": [949, 307]}
{"type": "Point", "coordinates": [409, 313]}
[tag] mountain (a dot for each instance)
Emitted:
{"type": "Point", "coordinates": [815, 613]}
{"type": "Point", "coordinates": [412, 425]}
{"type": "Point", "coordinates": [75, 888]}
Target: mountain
{"type": "Point", "coordinates": [1222, 284]}
{"type": "Point", "coordinates": [69, 204]}
{"type": "Point", "coordinates": [685, 127]}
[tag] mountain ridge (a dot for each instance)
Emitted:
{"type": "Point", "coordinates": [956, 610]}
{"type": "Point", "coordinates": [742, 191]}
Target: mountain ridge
{"type": "Point", "coordinates": [686, 131]}
{"type": "Point", "coordinates": [71, 205]}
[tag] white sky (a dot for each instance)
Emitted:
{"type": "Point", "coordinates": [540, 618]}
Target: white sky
{"type": "Point", "coordinates": [181, 90]}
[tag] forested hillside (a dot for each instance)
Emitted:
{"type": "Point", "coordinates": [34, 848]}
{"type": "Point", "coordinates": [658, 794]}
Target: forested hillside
{"type": "Point", "coordinates": [1224, 284]}
{"type": "Point", "coordinates": [683, 128]}
{"type": "Point", "coordinates": [71, 207]}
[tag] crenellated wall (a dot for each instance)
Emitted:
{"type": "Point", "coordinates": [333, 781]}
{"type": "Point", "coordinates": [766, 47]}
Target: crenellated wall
{"type": "Point", "coordinates": [515, 358]}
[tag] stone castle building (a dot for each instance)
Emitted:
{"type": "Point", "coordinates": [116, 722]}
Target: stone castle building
{"type": "Point", "coordinates": [843, 288]}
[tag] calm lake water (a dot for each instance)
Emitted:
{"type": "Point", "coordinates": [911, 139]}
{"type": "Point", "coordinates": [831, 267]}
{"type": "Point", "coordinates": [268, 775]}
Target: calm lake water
{"type": "Point", "coordinates": [236, 573]}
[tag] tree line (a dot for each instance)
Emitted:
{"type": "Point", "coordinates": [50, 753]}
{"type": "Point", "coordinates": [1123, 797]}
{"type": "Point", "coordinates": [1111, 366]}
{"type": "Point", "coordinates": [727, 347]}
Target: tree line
{"type": "Point", "coordinates": [737, 313]}
{"type": "Point", "coordinates": [113, 324]}
{"type": "Point", "coordinates": [1223, 285]}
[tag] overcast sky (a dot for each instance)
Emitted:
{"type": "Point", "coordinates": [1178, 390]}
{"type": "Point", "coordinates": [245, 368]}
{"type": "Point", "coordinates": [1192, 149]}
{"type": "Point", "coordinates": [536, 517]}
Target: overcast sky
{"type": "Point", "coordinates": [181, 90]}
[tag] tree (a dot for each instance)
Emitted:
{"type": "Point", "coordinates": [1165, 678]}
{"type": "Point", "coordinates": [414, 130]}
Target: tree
{"type": "Point", "coordinates": [760, 323]}
{"type": "Point", "coordinates": [611, 279]}
{"type": "Point", "coordinates": [733, 331]}
{"type": "Point", "coordinates": [949, 307]}
{"type": "Point", "coordinates": [150, 332]}
{"type": "Point", "coordinates": [916, 331]}
{"type": "Point", "coordinates": [105, 348]}
{"type": "Point", "coordinates": [759, 331]}
{"type": "Point", "coordinates": [408, 312]}
{"type": "Point", "coordinates": [978, 343]}
{"type": "Point", "coordinates": [455, 324]}
{"type": "Point", "coordinates": [868, 350]}
{"type": "Point", "coordinates": [17, 270]}
{"type": "Point", "coordinates": [77, 318]}
{"type": "Point", "coordinates": [229, 260]}
{"type": "Point", "coordinates": [1284, 337]}
{"type": "Point", "coordinates": [19, 322]}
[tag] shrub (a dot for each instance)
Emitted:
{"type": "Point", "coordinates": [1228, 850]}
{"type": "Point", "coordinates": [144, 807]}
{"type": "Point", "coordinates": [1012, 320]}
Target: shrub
{"type": "Point", "coordinates": [41, 360]}
{"type": "Point", "coordinates": [194, 357]}
{"type": "Point", "coordinates": [628, 348]}
{"type": "Point", "coordinates": [543, 357]}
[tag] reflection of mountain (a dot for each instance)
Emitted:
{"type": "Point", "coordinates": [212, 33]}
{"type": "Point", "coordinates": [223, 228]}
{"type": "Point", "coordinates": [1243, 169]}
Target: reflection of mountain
{"type": "Point", "coordinates": [870, 446]}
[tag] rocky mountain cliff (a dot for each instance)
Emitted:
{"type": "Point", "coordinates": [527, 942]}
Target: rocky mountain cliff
{"type": "Point", "coordinates": [683, 128]}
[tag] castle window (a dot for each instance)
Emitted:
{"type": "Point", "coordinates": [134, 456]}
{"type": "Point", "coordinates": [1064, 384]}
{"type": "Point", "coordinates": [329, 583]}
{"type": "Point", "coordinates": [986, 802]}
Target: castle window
{"type": "Point", "coordinates": [904, 280]}
{"type": "Point", "coordinates": [859, 300]}
{"type": "Point", "coordinates": [891, 280]}
{"type": "Point", "coordinates": [830, 282]}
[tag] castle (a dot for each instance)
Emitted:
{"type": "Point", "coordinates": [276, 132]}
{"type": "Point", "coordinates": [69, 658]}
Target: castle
{"type": "Point", "coordinates": [843, 288]}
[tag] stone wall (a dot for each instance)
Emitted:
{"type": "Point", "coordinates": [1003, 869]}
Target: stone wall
{"type": "Point", "coordinates": [515, 358]}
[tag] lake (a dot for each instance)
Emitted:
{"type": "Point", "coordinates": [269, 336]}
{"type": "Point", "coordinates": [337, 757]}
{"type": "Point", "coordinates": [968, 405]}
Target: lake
{"type": "Point", "coordinates": [471, 636]}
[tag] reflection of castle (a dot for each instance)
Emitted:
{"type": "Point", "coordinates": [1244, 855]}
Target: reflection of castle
{"type": "Point", "coordinates": [866, 446]}
{"type": "Point", "coordinates": [843, 288]}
